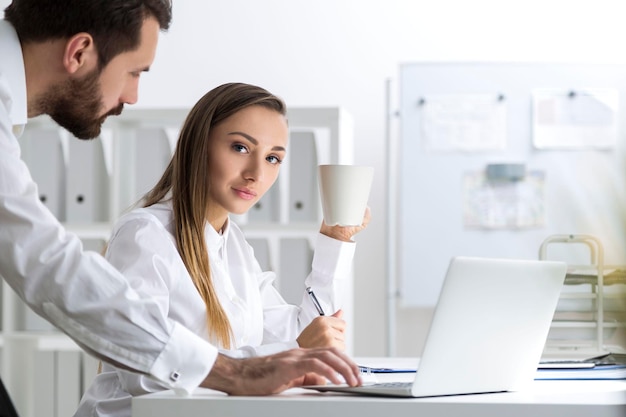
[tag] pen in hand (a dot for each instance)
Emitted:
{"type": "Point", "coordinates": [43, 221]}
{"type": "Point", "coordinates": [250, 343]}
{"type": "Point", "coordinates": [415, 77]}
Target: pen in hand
{"type": "Point", "coordinates": [316, 303]}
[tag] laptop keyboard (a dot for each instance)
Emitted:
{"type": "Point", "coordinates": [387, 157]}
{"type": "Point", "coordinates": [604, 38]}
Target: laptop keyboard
{"type": "Point", "coordinates": [392, 385]}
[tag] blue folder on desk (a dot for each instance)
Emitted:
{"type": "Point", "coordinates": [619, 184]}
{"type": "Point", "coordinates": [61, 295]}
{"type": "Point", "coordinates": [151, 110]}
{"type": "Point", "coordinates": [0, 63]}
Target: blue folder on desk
{"type": "Point", "coordinates": [370, 370]}
{"type": "Point", "coordinates": [607, 366]}
{"type": "Point", "coordinates": [597, 372]}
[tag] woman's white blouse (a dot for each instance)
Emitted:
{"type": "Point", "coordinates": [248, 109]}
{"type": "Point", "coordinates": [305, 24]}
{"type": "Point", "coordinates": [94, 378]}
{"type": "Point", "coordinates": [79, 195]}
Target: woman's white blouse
{"type": "Point", "coordinates": [143, 249]}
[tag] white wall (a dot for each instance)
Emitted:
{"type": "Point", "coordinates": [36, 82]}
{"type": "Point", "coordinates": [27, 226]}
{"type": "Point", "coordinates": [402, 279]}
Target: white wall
{"type": "Point", "coordinates": [340, 52]}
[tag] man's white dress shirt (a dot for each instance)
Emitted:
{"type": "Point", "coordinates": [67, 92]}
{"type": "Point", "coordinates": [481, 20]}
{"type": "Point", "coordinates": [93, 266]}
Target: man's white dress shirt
{"type": "Point", "coordinates": [78, 291]}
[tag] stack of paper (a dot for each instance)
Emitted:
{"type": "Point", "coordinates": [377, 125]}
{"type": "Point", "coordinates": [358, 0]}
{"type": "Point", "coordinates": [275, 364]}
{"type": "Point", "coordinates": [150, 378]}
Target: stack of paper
{"type": "Point", "coordinates": [609, 366]}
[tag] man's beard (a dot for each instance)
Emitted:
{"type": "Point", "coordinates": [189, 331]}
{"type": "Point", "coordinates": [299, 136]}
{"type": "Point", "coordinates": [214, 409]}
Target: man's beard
{"type": "Point", "coordinates": [76, 104]}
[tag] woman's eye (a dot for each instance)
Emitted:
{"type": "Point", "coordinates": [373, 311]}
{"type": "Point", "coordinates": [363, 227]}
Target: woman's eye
{"type": "Point", "coordinates": [240, 148]}
{"type": "Point", "coordinates": [274, 160]}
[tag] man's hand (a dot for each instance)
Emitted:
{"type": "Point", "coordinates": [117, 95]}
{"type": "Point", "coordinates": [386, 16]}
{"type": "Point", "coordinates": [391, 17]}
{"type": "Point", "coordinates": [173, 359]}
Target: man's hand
{"type": "Point", "coordinates": [276, 373]}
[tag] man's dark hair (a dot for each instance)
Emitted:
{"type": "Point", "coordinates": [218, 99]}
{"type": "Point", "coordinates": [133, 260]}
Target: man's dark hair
{"type": "Point", "coordinates": [115, 25]}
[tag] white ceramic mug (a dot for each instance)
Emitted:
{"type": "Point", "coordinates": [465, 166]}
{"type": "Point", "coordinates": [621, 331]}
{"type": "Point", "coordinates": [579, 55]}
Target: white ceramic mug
{"type": "Point", "coordinates": [344, 190]}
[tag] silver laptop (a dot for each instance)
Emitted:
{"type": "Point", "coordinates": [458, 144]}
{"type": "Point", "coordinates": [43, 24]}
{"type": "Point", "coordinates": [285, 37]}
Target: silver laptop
{"type": "Point", "coordinates": [488, 331]}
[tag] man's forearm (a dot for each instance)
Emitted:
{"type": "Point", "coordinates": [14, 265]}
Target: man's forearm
{"type": "Point", "coordinates": [223, 375]}
{"type": "Point", "coordinates": [250, 376]}
{"type": "Point", "coordinates": [275, 373]}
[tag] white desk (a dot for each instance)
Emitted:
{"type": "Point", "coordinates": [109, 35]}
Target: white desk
{"type": "Point", "coordinates": [543, 398]}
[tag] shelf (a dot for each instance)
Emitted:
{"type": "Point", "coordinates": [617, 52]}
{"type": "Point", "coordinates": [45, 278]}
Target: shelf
{"type": "Point", "coordinates": [100, 230]}
{"type": "Point", "coordinates": [578, 275]}
{"type": "Point", "coordinates": [591, 310]}
{"type": "Point", "coordinates": [586, 324]}
{"type": "Point", "coordinates": [585, 296]}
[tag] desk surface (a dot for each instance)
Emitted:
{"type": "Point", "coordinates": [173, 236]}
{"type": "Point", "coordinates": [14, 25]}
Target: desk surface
{"type": "Point", "coordinates": [542, 398]}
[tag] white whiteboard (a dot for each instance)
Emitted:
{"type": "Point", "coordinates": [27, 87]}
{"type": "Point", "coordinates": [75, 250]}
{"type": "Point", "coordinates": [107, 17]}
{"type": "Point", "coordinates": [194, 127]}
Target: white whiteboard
{"type": "Point", "coordinates": [584, 190]}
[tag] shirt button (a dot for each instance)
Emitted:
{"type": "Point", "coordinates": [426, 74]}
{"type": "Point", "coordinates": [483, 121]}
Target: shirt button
{"type": "Point", "coordinates": [175, 376]}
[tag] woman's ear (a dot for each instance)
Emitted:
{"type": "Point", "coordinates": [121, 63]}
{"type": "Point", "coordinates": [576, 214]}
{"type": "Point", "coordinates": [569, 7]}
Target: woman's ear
{"type": "Point", "coordinates": [80, 53]}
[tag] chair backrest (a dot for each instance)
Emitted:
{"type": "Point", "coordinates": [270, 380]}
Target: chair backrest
{"type": "Point", "coordinates": [7, 409]}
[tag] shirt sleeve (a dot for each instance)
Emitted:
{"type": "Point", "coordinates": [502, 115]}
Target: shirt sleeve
{"type": "Point", "coordinates": [262, 350]}
{"type": "Point", "coordinates": [81, 293]}
{"type": "Point", "coordinates": [144, 252]}
{"type": "Point", "coordinates": [330, 269]}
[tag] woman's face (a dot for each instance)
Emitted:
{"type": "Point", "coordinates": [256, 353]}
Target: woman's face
{"type": "Point", "coordinates": [246, 151]}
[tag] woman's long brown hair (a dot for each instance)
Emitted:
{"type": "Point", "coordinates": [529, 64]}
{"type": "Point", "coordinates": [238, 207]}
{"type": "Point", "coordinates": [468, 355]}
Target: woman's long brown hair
{"type": "Point", "coordinates": [188, 179]}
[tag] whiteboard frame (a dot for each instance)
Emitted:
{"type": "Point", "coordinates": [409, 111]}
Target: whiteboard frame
{"type": "Point", "coordinates": [516, 81]}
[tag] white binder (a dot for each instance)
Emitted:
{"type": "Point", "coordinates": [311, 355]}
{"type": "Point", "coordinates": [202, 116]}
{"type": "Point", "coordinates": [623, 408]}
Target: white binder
{"type": "Point", "coordinates": [152, 155]}
{"type": "Point", "coordinates": [88, 182]}
{"type": "Point", "coordinates": [303, 194]}
{"type": "Point", "coordinates": [43, 153]}
{"type": "Point", "coordinates": [261, 252]}
{"type": "Point", "coordinates": [267, 209]}
{"type": "Point", "coordinates": [296, 256]}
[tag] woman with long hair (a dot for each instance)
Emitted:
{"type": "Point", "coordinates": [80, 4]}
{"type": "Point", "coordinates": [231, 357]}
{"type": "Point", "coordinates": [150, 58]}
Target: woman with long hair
{"type": "Point", "coordinates": [183, 248]}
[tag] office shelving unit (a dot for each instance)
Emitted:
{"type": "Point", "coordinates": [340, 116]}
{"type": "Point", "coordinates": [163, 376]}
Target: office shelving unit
{"type": "Point", "coordinates": [88, 184]}
{"type": "Point", "coordinates": [591, 315]}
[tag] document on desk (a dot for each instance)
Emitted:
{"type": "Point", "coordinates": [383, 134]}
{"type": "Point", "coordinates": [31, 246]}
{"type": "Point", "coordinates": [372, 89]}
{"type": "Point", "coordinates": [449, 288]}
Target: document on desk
{"type": "Point", "coordinates": [397, 365]}
{"type": "Point", "coordinates": [560, 371]}
{"type": "Point", "coordinates": [371, 370]}
{"type": "Point", "coordinates": [595, 372]}
{"type": "Point", "coordinates": [607, 366]}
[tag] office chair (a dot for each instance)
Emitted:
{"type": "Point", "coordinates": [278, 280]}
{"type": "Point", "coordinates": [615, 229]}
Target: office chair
{"type": "Point", "coordinates": [7, 409]}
